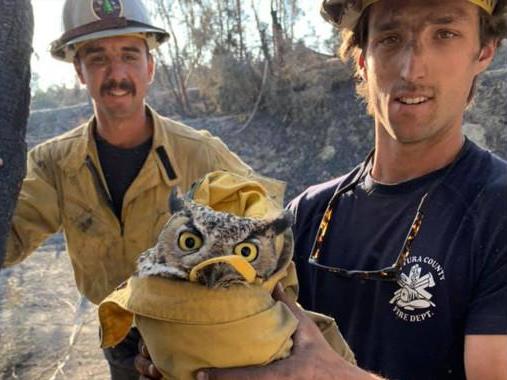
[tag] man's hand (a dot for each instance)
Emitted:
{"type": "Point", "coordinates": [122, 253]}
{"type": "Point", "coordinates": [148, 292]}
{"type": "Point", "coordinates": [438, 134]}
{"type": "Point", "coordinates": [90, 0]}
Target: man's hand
{"type": "Point", "coordinates": [311, 359]}
{"type": "Point", "coordinates": [144, 365]}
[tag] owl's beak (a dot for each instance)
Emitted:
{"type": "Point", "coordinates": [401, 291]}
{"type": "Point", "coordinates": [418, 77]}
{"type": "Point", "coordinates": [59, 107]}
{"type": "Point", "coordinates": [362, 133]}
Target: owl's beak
{"type": "Point", "coordinates": [223, 270]}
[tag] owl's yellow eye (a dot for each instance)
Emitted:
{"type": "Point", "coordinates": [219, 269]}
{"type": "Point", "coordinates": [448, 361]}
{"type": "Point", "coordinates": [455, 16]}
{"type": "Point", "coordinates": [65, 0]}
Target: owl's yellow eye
{"type": "Point", "coordinates": [189, 241]}
{"type": "Point", "coordinates": [247, 250]}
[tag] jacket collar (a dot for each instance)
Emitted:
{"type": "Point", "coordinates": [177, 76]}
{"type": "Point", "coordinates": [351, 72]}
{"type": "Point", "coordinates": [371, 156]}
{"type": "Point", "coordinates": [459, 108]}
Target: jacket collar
{"type": "Point", "coordinates": [162, 151]}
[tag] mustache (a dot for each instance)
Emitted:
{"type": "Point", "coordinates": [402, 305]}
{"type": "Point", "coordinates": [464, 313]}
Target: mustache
{"type": "Point", "coordinates": [410, 87]}
{"type": "Point", "coordinates": [112, 84]}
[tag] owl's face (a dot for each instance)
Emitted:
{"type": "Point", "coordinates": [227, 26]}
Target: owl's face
{"type": "Point", "coordinates": [196, 233]}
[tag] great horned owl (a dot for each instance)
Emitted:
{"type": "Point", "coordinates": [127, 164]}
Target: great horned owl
{"type": "Point", "coordinates": [196, 233]}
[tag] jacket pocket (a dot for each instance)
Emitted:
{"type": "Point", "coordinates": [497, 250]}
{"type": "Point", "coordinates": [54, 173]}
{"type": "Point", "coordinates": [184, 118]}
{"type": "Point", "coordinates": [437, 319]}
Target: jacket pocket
{"type": "Point", "coordinates": [88, 237]}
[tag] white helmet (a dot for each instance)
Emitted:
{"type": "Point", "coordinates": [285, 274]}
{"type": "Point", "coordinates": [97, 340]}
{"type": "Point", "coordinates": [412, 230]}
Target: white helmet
{"type": "Point", "coordinates": [86, 20]}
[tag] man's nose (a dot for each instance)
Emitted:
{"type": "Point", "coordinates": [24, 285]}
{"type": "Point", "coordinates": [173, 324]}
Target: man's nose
{"type": "Point", "coordinates": [413, 61]}
{"type": "Point", "coordinates": [117, 69]}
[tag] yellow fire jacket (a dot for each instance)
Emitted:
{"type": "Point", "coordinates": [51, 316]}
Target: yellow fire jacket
{"type": "Point", "coordinates": [65, 190]}
{"type": "Point", "coordinates": [187, 326]}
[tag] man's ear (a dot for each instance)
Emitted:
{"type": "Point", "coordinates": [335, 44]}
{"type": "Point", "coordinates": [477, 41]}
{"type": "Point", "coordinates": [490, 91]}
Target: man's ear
{"type": "Point", "coordinates": [362, 66]}
{"type": "Point", "coordinates": [486, 55]}
{"type": "Point", "coordinates": [77, 67]}
{"type": "Point", "coordinates": [151, 67]}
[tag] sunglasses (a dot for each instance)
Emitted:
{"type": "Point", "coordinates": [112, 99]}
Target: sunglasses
{"type": "Point", "coordinates": [392, 272]}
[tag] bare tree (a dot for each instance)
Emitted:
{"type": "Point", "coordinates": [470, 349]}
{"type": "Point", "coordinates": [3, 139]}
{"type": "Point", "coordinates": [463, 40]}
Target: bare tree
{"type": "Point", "coordinates": [188, 43]}
{"type": "Point", "coordinates": [261, 28]}
{"type": "Point", "coordinates": [16, 31]}
{"type": "Point", "coordinates": [210, 38]}
{"type": "Point", "coordinates": [239, 30]}
{"type": "Point", "coordinates": [277, 30]}
{"type": "Point", "coordinates": [284, 15]}
{"type": "Point", "coordinates": [175, 70]}
{"type": "Point", "coordinates": [220, 42]}
{"type": "Point", "coordinates": [292, 15]}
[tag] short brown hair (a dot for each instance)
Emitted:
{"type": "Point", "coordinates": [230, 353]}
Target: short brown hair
{"type": "Point", "coordinates": [353, 42]}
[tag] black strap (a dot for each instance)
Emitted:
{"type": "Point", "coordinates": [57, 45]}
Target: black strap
{"type": "Point", "coordinates": [164, 158]}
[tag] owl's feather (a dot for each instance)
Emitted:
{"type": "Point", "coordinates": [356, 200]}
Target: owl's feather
{"type": "Point", "coordinates": [196, 233]}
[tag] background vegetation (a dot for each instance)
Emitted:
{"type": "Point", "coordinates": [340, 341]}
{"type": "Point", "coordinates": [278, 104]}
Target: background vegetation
{"type": "Point", "coordinates": [286, 109]}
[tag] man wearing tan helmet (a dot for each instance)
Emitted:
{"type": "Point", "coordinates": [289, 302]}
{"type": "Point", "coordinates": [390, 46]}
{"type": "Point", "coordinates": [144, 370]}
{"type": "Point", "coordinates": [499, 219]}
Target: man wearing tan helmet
{"type": "Point", "coordinates": [408, 251]}
{"type": "Point", "coordinates": [106, 183]}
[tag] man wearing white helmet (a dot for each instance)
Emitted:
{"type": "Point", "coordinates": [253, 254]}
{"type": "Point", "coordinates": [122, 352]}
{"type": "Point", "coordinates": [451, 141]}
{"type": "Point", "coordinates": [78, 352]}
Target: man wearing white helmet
{"type": "Point", "coordinates": [106, 183]}
{"type": "Point", "coordinates": [408, 252]}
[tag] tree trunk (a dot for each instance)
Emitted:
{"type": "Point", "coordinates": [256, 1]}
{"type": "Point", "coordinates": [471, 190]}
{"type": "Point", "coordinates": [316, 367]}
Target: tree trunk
{"type": "Point", "coordinates": [220, 19]}
{"type": "Point", "coordinates": [240, 30]}
{"type": "Point", "coordinates": [177, 80]}
{"type": "Point", "coordinates": [16, 30]}
{"type": "Point", "coordinates": [263, 38]}
{"type": "Point", "coordinates": [278, 48]}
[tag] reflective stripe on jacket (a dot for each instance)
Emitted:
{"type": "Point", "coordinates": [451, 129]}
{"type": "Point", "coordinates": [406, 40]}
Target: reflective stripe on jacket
{"type": "Point", "coordinates": [65, 190]}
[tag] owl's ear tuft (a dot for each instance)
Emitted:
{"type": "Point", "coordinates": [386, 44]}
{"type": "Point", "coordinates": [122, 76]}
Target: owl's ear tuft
{"type": "Point", "coordinates": [284, 221]}
{"type": "Point", "coordinates": [176, 203]}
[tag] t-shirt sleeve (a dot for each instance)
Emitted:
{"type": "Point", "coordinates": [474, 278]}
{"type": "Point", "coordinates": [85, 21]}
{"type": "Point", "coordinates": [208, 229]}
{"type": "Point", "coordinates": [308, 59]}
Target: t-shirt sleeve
{"type": "Point", "coordinates": [487, 313]}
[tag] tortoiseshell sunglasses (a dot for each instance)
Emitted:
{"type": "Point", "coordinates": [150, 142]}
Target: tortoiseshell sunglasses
{"type": "Point", "coordinates": [392, 272]}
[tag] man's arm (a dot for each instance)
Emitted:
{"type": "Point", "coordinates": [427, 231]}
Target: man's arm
{"type": "Point", "coordinates": [37, 213]}
{"type": "Point", "coordinates": [485, 353]}
{"type": "Point", "coordinates": [486, 357]}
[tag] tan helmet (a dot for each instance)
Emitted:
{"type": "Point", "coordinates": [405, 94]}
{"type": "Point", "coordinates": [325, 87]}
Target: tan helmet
{"type": "Point", "coordinates": [344, 14]}
{"type": "Point", "coordinates": [86, 20]}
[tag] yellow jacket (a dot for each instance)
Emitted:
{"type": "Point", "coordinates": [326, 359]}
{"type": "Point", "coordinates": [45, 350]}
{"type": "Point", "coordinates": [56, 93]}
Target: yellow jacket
{"type": "Point", "coordinates": [65, 190]}
{"type": "Point", "coordinates": [187, 326]}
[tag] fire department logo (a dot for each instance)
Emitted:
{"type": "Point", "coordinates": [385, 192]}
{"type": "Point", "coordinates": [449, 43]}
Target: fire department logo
{"type": "Point", "coordinates": [107, 8]}
{"type": "Point", "coordinates": [413, 300]}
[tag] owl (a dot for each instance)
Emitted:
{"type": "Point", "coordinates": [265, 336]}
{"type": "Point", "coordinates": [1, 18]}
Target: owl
{"type": "Point", "coordinates": [196, 233]}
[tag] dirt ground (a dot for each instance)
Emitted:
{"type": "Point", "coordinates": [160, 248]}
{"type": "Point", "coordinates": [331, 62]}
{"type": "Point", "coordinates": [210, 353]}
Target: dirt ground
{"type": "Point", "coordinates": [46, 331]}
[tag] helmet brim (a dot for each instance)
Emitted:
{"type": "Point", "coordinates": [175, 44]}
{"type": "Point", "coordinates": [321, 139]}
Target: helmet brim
{"type": "Point", "coordinates": [342, 14]}
{"type": "Point", "coordinates": [66, 51]}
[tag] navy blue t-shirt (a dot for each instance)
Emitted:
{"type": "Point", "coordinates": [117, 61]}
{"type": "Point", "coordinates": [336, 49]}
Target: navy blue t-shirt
{"type": "Point", "coordinates": [454, 282]}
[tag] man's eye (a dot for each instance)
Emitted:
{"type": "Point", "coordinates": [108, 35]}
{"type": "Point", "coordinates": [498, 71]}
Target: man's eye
{"type": "Point", "coordinates": [446, 34]}
{"type": "Point", "coordinates": [130, 58]}
{"type": "Point", "coordinates": [390, 40]}
{"type": "Point", "coordinates": [97, 59]}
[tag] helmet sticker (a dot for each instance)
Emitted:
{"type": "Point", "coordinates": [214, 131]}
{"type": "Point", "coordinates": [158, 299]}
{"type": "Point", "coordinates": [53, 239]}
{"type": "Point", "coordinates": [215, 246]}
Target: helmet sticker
{"type": "Point", "coordinates": [107, 8]}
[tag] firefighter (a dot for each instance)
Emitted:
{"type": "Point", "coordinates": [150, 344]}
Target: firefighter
{"type": "Point", "coordinates": [106, 183]}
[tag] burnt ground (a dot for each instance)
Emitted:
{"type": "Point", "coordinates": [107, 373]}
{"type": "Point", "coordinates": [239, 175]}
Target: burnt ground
{"type": "Point", "coordinates": [46, 332]}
